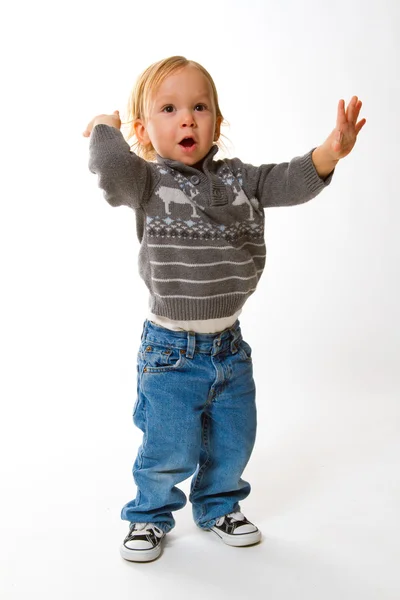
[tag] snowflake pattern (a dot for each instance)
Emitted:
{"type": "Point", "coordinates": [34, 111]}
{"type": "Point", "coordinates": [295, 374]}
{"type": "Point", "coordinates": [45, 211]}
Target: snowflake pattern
{"type": "Point", "coordinates": [234, 180]}
{"type": "Point", "coordinates": [179, 229]}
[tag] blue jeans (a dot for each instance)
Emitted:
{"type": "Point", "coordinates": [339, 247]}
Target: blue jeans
{"type": "Point", "coordinates": [196, 407]}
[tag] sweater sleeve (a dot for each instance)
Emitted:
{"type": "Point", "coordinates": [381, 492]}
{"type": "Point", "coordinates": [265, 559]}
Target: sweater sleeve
{"type": "Point", "coordinates": [285, 184]}
{"type": "Point", "coordinates": [124, 177]}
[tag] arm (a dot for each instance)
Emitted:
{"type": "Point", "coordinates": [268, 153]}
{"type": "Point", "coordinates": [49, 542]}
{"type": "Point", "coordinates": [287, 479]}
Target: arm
{"type": "Point", "coordinates": [323, 163]}
{"type": "Point", "coordinates": [285, 184]}
{"type": "Point", "coordinates": [122, 175]}
{"type": "Point", "coordinates": [304, 177]}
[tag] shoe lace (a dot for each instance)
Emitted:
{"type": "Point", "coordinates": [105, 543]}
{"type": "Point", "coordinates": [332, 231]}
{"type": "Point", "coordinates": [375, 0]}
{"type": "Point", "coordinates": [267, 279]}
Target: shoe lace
{"type": "Point", "coordinates": [235, 516]}
{"type": "Point", "coordinates": [146, 528]}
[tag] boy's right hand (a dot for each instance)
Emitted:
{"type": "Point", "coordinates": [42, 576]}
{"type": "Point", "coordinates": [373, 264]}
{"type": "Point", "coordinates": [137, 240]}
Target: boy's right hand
{"type": "Point", "coordinates": [112, 120]}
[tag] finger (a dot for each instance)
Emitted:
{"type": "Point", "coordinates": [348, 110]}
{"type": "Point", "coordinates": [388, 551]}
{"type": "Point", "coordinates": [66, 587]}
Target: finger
{"type": "Point", "coordinates": [349, 107]}
{"type": "Point", "coordinates": [360, 125]}
{"type": "Point", "coordinates": [350, 114]}
{"type": "Point", "coordinates": [341, 116]}
{"type": "Point", "coordinates": [357, 110]}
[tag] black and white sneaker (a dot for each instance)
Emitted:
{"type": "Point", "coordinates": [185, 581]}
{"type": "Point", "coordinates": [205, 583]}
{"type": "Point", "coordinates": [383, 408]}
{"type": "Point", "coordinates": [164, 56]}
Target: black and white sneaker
{"type": "Point", "coordinates": [235, 530]}
{"type": "Point", "coordinates": [143, 542]}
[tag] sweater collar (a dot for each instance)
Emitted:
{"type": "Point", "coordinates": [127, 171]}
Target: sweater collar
{"type": "Point", "coordinates": [178, 165]}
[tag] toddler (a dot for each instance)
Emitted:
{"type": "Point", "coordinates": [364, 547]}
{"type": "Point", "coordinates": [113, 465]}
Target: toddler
{"type": "Point", "coordinates": [200, 222]}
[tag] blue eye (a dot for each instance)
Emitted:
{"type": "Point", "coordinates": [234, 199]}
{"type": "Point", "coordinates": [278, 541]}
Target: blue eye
{"type": "Point", "coordinates": [168, 109]}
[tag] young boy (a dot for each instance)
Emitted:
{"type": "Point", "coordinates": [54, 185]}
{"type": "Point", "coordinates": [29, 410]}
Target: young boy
{"type": "Point", "coordinates": [201, 226]}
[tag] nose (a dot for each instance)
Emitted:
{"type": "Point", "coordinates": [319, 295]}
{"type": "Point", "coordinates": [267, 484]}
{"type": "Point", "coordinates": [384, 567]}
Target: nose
{"type": "Point", "coordinates": [187, 119]}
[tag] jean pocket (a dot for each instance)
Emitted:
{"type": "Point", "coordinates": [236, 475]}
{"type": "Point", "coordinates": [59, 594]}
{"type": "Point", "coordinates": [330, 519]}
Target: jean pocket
{"type": "Point", "coordinates": [245, 350]}
{"type": "Point", "coordinates": [160, 359]}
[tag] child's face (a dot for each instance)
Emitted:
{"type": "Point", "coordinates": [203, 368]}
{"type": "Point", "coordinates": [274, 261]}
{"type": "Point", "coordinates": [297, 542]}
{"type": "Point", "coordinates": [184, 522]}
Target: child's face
{"type": "Point", "coordinates": [181, 123]}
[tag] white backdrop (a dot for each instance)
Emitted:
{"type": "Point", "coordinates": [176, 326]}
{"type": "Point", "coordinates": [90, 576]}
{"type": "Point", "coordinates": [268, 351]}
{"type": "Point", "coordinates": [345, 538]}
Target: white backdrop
{"type": "Point", "coordinates": [323, 323]}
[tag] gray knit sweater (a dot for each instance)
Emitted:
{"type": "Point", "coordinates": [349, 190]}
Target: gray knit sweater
{"type": "Point", "coordinates": [202, 232]}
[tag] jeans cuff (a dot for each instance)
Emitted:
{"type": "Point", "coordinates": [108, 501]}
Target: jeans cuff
{"type": "Point", "coordinates": [165, 527]}
{"type": "Point", "coordinates": [211, 522]}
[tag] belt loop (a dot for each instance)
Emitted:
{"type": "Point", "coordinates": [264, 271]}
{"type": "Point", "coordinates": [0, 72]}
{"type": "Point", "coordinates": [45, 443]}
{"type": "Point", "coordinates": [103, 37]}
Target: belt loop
{"type": "Point", "coordinates": [191, 344]}
{"type": "Point", "coordinates": [144, 330]}
{"type": "Point", "coordinates": [235, 337]}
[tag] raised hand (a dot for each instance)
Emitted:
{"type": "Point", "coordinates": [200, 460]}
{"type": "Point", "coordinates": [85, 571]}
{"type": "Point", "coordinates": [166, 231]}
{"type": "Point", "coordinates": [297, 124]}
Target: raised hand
{"type": "Point", "coordinates": [342, 139]}
{"type": "Point", "coordinates": [112, 120]}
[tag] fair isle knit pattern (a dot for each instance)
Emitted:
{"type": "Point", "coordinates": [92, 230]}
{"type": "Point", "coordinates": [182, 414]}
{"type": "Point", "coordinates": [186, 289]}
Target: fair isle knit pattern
{"type": "Point", "coordinates": [202, 232]}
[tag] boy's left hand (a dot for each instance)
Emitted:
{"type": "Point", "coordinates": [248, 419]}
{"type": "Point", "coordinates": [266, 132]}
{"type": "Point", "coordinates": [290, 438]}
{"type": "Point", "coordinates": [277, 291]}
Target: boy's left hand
{"type": "Point", "coordinates": [342, 139]}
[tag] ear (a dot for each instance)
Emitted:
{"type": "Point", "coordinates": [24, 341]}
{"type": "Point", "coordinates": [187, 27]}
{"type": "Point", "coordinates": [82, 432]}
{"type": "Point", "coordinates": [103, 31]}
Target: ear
{"type": "Point", "coordinates": [141, 132]}
{"type": "Point", "coordinates": [217, 129]}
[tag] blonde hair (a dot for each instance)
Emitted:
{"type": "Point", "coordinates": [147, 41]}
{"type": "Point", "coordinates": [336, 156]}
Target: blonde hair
{"type": "Point", "coordinates": [146, 84]}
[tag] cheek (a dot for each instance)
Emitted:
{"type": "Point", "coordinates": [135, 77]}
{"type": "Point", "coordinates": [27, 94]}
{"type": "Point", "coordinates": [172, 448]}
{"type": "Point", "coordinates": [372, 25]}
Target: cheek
{"type": "Point", "coordinates": [209, 123]}
{"type": "Point", "coordinates": [162, 130]}
{"type": "Point", "coordinates": [154, 134]}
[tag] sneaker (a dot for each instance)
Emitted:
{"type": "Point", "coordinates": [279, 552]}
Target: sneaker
{"type": "Point", "coordinates": [143, 542]}
{"type": "Point", "coordinates": [235, 530]}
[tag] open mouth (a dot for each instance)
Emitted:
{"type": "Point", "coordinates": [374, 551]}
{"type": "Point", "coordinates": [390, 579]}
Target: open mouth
{"type": "Point", "coordinates": [187, 142]}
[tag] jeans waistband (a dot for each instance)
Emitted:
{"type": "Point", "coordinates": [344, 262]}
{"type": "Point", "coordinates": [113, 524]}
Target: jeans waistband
{"type": "Point", "coordinates": [206, 343]}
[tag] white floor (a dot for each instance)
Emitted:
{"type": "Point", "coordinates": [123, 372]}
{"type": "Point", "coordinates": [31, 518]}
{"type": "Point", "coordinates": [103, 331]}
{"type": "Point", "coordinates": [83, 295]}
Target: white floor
{"type": "Point", "coordinates": [325, 494]}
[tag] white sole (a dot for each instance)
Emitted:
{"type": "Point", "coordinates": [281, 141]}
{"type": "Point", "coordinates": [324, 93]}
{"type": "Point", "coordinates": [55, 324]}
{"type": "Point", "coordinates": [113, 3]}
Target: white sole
{"type": "Point", "coordinates": [238, 540]}
{"type": "Point", "coordinates": [140, 555]}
